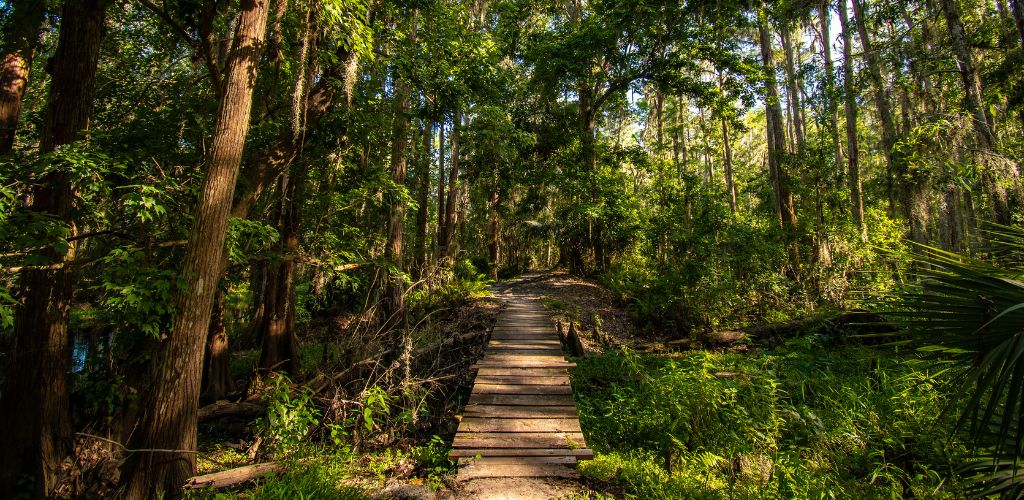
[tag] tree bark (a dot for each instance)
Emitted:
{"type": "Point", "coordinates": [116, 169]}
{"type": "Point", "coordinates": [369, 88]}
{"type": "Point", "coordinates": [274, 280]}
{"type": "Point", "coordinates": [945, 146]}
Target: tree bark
{"type": "Point", "coordinates": [442, 234]}
{"type": "Point", "coordinates": [395, 314]}
{"type": "Point", "coordinates": [883, 105]}
{"type": "Point", "coordinates": [850, 109]}
{"type": "Point", "coordinates": [217, 382]}
{"type": "Point", "coordinates": [832, 110]}
{"type": "Point", "coordinates": [776, 130]}
{"type": "Point", "coordinates": [36, 393]}
{"type": "Point", "coordinates": [170, 419]}
{"type": "Point", "coordinates": [1018, 19]}
{"type": "Point", "coordinates": [279, 349]}
{"type": "Point", "coordinates": [951, 226]}
{"type": "Point", "coordinates": [452, 194]}
{"type": "Point", "coordinates": [493, 230]}
{"type": "Point", "coordinates": [975, 104]}
{"type": "Point", "coordinates": [777, 154]}
{"type": "Point", "coordinates": [21, 32]}
{"type": "Point", "coordinates": [423, 199]}
{"type": "Point", "coordinates": [730, 186]}
{"type": "Point", "coordinates": [793, 87]}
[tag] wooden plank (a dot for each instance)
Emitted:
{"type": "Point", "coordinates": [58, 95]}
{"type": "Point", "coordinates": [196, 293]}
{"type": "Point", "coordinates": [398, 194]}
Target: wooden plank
{"type": "Point", "coordinates": [479, 388]}
{"type": "Point", "coordinates": [518, 400]}
{"type": "Point", "coordinates": [525, 326]}
{"type": "Point", "coordinates": [493, 425]}
{"type": "Point", "coordinates": [522, 372]}
{"type": "Point", "coordinates": [524, 350]}
{"type": "Point", "coordinates": [522, 337]}
{"type": "Point", "coordinates": [511, 332]}
{"type": "Point", "coordinates": [507, 411]}
{"type": "Point", "coordinates": [525, 342]}
{"type": "Point", "coordinates": [534, 364]}
{"type": "Point", "coordinates": [519, 440]}
{"type": "Point", "coordinates": [521, 380]}
{"type": "Point", "coordinates": [523, 358]}
{"type": "Point", "coordinates": [580, 453]}
{"type": "Point", "coordinates": [515, 346]}
{"type": "Point", "coordinates": [481, 471]}
{"type": "Point", "coordinates": [564, 460]}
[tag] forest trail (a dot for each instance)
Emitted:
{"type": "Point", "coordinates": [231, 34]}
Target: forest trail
{"type": "Point", "coordinates": [521, 420]}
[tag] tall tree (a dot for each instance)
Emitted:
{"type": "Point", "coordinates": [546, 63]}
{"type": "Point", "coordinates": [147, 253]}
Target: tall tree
{"type": "Point", "coordinates": [831, 108]}
{"type": "Point", "coordinates": [169, 422]}
{"type": "Point", "coordinates": [279, 347]}
{"type": "Point", "coordinates": [793, 85]}
{"type": "Point", "coordinates": [423, 200]}
{"type": "Point", "coordinates": [778, 156]}
{"type": "Point", "coordinates": [980, 120]}
{"type": "Point", "coordinates": [730, 185]}
{"type": "Point", "coordinates": [20, 32]}
{"type": "Point", "coordinates": [883, 106]}
{"type": "Point", "coordinates": [35, 394]}
{"type": "Point", "coordinates": [850, 108]}
{"type": "Point", "coordinates": [395, 314]}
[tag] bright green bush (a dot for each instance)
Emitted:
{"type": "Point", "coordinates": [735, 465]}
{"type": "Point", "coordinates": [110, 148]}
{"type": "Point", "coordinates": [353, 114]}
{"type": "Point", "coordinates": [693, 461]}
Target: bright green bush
{"type": "Point", "coordinates": [805, 421]}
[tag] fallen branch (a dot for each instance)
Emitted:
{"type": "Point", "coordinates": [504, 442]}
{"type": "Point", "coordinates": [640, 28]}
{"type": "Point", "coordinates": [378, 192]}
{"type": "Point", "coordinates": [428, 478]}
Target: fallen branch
{"type": "Point", "coordinates": [233, 477]}
{"type": "Point", "coordinates": [220, 409]}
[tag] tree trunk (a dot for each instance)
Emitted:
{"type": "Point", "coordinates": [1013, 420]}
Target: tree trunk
{"type": "Point", "coordinates": [850, 109]}
{"type": "Point", "coordinates": [35, 394]}
{"type": "Point", "coordinates": [395, 315]}
{"type": "Point", "coordinates": [730, 186]}
{"type": "Point", "coordinates": [278, 347]}
{"type": "Point", "coordinates": [777, 154]}
{"type": "Point", "coordinates": [980, 120]}
{"type": "Point", "coordinates": [217, 382]}
{"type": "Point", "coordinates": [170, 419]}
{"type": "Point", "coordinates": [951, 222]}
{"type": "Point", "coordinates": [1018, 19]}
{"type": "Point", "coordinates": [279, 350]}
{"type": "Point", "coordinates": [493, 230]}
{"type": "Point", "coordinates": [832, 110]}
{"type": "Point", "coordinates": [442, 206]}
{"type": "Point", "coordinates": [793, 87]}
{"type": "Point", "coordinates": [452, 195]}
{"type": "Point", "coordinates": [20, 37]}
{"type": "Point", "coordinates": [423, 199]}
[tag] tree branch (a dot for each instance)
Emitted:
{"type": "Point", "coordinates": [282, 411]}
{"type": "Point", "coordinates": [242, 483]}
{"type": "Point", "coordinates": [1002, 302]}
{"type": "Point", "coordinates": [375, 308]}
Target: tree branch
{"type": "Point", "coordinates": [163, 15]}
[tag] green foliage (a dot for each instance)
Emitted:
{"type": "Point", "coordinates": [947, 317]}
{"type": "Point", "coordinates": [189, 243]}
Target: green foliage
{"type": "Point", "coordinates": [799, 422]}
{"type": "Point", "coordinates": [320, 475]}
{"type": "Point", "coordinates": [291, 414]}
{"type": "Point", "coordinates": [967, 315]}
{"type": "Point", "coordinates": [433, 460]}
{"type": "Point", "coordinates": [136, 293]}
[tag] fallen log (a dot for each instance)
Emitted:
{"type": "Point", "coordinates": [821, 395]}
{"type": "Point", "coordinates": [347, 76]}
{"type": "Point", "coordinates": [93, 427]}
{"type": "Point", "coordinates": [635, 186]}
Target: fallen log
{"type": "Point", "coordinates": [220, 409]}
{"type": "Point", "coordinates": [233, 477]}
{"type": "Point", "coordinates": [856, 326]}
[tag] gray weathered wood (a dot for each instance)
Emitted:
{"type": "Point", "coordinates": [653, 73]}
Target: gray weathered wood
{"type": "Point", "coordinates": [505, 411]}
{"type": "Point", "coordinates": [479, 388]}
{"type": "Point", "coordinates": [521, 416]}
{"type": "Point", "coordinates": [491, 425]}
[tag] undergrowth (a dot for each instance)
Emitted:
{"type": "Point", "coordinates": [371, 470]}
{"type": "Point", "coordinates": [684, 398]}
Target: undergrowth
{"type": "Point", "coordinates": [803, 421]}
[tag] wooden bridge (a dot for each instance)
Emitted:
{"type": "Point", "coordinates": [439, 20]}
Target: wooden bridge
{"type": "Point", "coordinates": [521, 419]}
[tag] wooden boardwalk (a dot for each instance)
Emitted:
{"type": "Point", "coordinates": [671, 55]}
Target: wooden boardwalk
{"type": "Point", "coordinates": [521, 419]}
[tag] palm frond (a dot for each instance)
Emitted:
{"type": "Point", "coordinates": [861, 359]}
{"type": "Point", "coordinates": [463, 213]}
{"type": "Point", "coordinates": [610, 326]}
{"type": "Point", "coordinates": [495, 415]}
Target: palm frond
{"type": "Point", "coordinates": [970, 312]}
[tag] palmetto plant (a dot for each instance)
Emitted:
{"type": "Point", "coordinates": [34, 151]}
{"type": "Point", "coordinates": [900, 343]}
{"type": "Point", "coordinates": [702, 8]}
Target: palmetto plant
{"type": "Point", "coordinates": [967, 313]}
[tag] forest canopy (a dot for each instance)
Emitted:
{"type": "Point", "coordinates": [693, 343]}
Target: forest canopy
{"type": "Point", "coordinates": [299, 206]}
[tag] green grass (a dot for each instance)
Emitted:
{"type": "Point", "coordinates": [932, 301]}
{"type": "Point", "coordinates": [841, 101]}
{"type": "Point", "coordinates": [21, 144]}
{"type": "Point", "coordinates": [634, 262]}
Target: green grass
{"type": "Point", "coordinates": [320, 472]}
{"type": "Point", "coordinates": [805, 421]}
